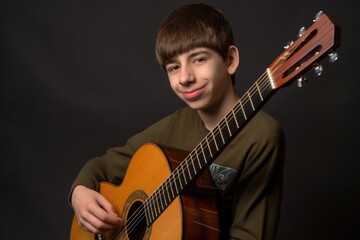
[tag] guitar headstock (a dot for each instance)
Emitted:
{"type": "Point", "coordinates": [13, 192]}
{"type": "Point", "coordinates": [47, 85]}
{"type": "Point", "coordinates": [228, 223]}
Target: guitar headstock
{"type": "Point", "coordinates": [313, 44]}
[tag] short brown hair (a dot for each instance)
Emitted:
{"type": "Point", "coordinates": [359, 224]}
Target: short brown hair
{"type": "Point", "coordinates": [191, 26]}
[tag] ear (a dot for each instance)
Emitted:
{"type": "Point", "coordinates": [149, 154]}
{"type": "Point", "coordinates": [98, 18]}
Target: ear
{"type": "Point", "coordinates": [233, 59]}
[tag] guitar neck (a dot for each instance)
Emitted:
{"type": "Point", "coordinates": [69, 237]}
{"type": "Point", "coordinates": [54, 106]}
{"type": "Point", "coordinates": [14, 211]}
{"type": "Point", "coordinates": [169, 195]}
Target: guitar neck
{"type": "Point", "coordinates": [208, 149]}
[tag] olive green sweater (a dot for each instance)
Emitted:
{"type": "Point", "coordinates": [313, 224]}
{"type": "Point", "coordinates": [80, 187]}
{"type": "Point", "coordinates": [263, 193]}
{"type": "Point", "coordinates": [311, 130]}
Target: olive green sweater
{"type": "Point", "coordinates": [248, 172]}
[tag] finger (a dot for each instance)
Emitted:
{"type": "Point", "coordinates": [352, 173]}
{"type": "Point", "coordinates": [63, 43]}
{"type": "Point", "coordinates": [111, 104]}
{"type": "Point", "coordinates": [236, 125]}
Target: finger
{"type": "Point", "coordinates": [105, 217]}
{"type": "Point", "coordinates": [110, 215]}
{"type": "Point", "coordinates": [93, 224]}
{"type": "Point", "coordinates": [106, 205]}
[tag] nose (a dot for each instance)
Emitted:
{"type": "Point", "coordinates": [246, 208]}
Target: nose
{"type": "Point", "coordinates": [186, 75]}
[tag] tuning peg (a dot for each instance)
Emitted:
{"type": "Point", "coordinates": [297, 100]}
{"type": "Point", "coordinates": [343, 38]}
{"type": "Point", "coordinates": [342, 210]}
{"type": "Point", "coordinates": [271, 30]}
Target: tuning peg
{"type": "Point", "coordinates": [288, 44]}
{"type": "Point", "coordinates": [318, 15]}
{"type": "Point", "coordinates": [333, 56]}
{"type": "Point", "coordinates": [302, 81]}
{"type": "Point", "coordinates": [301, 31]}
{"type": "Point", "coordinates": [318, 69]}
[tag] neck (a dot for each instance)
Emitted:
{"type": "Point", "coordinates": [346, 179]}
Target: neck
{"type": "Point", "coordinates": [211, 116]}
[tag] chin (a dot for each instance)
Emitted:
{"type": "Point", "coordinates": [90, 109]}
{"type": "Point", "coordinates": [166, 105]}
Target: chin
{"type": "Point", "coordinates": [196, 106]}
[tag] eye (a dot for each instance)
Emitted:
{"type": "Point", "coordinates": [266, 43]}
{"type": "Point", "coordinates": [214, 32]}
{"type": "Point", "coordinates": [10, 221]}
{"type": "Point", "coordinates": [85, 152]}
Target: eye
{"type": "Point", "coordinates": [172, 68]}
{"type": "Point", "coordinates": [199, 59]}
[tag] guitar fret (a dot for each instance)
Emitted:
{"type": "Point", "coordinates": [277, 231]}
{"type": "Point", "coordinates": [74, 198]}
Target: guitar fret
{"type": "Point", "coordinates": [168, 194]}
{"type": "Point", "coordinates": [267, 88]}
{"type": "Point", "coordinates": [146, 210]}
{"type": "Point", "coordinates": [204, 156]}
{"type": "Point", "coordinates": [242, 108]}
{"type": "Point", "coordinates": [248, 107]}
{"type": "Point", "coordinates": [222, 137]}
{"type": "Point", "coordinates": [217, 147]}
{"type": "Point", "coordinates": [154, 209]}
{"type": "Point", "coordinates": [192, 164]}
{"type": "Point", "coordinates": [233, 113]}
{"type": "Point", "coordinates": [197, 157]}
{"type": "Point", "coordinates": [152, 212]}
{"type": "Point", "coordinates": [188, 170]}
{"type": "Point", "coordinates": [257, 87]}
{"type": "Point", "coordinates": [227, 125]}
{"type": "Point", "coordinates": [162, 201]}
{"type": "Point", "coordinates": [207, 141]}
{"type": "Point", "coordinates": [249, 97]}
{"type": "Point", "coordinates": [176, 188]}
{"type": "Point", "coordinates": [258, 98]}
{"type": "Point", "coordinates": [172, 191]}
{"type": "Point", "coordinates": [207, 154]}
{"type": "Point", "coordinates": [240, 117]}
{"type": "Point", "coordinates": [183, 175]}
{"type": "Point", "coordinates": [157, 210]}
{"type": "Point", "coordinates": [232, 123]}
{"type": "Point", "coordinates": [147, 213]}
{"type": "Point", "coordinates": [218, 139]}
{"type": "Point", "coordinates": [225, 133]}
{"type": "Point", "coordinates": [192, 158]}
{"type": "Point", "coordinates": [178, 180]}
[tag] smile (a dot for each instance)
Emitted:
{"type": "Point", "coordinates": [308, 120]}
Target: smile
{"type": "Point", "coordinates": [193, 94]}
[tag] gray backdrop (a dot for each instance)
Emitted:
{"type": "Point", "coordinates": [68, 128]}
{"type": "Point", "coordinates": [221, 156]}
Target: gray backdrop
{"type": "Point", "coordinates": [78, 77]}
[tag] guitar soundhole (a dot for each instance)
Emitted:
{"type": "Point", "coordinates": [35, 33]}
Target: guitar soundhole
{"type": "Point", "coordinates": [135, 220]}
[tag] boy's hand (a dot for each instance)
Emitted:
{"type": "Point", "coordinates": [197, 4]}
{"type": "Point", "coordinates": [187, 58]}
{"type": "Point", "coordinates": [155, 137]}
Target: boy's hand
{"type": "Point", "coordinates": [94, 213]}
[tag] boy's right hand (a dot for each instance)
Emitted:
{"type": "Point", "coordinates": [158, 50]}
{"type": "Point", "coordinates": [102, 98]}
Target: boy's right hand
{"type": "Point", "coordinates": [94, 213]}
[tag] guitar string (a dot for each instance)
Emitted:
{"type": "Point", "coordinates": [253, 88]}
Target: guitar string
{"type": "Point", "coordinates": [260, 83]}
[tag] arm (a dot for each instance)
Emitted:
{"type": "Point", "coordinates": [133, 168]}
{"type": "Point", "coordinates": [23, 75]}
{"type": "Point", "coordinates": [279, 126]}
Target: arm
{"type": "Point", "coordinates": [257, 195]}
{"type": "Point", "coordinates": [94, 213]}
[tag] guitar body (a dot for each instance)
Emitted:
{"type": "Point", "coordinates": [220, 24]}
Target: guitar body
{"type": "Point", "coordinates": [187, 217]}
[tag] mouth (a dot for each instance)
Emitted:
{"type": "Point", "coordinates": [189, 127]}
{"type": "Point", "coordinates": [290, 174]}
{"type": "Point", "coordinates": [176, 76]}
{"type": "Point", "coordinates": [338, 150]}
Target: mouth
{"type": "Point", "coordinates": [193, 94]}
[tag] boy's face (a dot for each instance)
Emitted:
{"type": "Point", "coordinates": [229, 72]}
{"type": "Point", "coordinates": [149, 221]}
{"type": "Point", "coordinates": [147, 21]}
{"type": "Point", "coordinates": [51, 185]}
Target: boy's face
{"type": "Point", "coordinates": [201, 78]}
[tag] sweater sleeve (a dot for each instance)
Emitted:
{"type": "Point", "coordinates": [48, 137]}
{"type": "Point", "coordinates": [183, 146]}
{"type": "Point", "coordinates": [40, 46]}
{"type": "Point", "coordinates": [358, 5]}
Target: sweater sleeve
{"type": "Point", "coordinates": [257, 194]}
{"type": "Point", "coordinates": [111, 167]}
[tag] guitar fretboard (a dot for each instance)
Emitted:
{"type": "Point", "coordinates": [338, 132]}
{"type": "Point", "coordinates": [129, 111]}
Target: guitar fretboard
{"type": "Point", "coordinates": [207, 150]}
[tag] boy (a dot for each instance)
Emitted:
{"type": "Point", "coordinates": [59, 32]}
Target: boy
{"type": "Point", "coordinates": [195, 47]}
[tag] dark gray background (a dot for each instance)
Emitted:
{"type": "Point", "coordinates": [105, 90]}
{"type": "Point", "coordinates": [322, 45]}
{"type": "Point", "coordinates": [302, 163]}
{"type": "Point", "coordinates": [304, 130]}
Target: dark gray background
{"type": "Point", "coordinates": [78, 77]}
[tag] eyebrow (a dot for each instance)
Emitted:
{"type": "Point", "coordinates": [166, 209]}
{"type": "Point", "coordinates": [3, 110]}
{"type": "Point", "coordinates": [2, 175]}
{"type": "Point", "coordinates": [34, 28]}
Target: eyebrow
{"type": "Point", "coordinates": [191, 54]}
{"type": "Point", "coordinates": [198, 52]}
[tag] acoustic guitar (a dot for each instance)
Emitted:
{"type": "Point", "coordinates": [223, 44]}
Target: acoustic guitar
{"type": "Point", "coordinates": [167, 193]}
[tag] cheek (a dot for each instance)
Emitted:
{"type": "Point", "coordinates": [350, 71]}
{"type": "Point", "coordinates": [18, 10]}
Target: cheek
{"type": "Point", "coordinates": [218, 71]}
{"type": "Point", "coordinates": [173, 84]}
{"type": "Point", "coordinates": [218, 77]}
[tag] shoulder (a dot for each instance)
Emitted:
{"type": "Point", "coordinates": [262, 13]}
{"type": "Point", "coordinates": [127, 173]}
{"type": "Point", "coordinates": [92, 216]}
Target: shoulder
{"type": "Point", "coordinates": [182, 129]}
{"type": "Point", "coordinates": [185, 114]}
{"type": "Point", "coordinates": [264, 127]}
{"type": "Point", "coordinates": [164, 128]}
{"type": "Point", "coordinates": [265, 121]}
